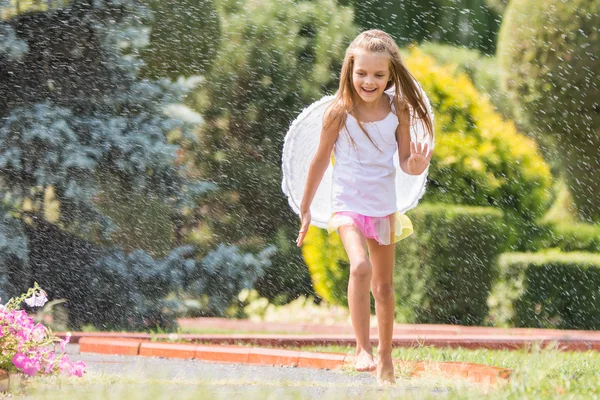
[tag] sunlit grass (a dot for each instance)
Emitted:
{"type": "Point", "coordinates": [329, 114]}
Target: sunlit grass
{"type": "Point", "coordinates": [537, 372]}
{"type": "Point", "coordinates": [102, 386]}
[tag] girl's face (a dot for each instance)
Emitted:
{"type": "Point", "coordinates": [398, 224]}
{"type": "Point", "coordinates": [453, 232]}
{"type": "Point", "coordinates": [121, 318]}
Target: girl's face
{"type": "Point", "coordinates": [370, 75]}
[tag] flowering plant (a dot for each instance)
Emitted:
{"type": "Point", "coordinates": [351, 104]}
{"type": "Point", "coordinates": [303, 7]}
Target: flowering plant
{"type": "Point", "coordinates": [28, 347]}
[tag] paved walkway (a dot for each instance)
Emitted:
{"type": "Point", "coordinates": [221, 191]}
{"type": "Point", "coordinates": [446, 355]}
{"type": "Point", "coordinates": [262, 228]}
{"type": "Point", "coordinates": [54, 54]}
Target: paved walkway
{"type": "Point", "coordinates": [169, 378]}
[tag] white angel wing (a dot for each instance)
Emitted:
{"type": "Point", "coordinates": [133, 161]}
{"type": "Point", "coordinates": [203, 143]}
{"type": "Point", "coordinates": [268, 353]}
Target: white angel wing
{"type": "Point", "coordinates": [300, 146]}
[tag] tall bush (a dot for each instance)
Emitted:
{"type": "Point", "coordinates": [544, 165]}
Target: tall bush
{"type": "Point", "coordinates": [473, 24]}
{"type": "Point", "coordinates": [547, 290]}
{"type": "Point", "coordinates": [276, 57]}
{"type": "Point", "coordinates": [74, 111]}
{"type": "Point", "coordinates": [549, 57]}
{"type": "Point", "coordinates": [445, 273]}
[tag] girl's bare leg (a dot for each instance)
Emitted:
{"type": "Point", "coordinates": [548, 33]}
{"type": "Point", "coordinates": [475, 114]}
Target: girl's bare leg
{"type": "Point", "coordinates": [382, 260]}
{"type": "Point", "coordinates": [359, 295]}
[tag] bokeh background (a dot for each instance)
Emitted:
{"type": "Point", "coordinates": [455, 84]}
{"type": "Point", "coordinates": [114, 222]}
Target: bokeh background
{"type": "Point", "coordinates": [140, 150]}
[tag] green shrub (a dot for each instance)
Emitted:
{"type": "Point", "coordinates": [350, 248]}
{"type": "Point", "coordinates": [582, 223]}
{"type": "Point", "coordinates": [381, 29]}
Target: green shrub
{"type": "Point", "coordinates": [184, 38]}
{"type": "Point", "coordinates": [458, 22]}
{"type": "Point", "coordinates": [573, 237]}
{"type": "Point", "coordinates": [547, 52]}
{"type": "Point", "coordinates": [479, 159]}
{"type": "Point", "coordinates": [275, 58]}
{"type": "Point", "coordinates": [444, 273]}
{"type": "Point", "coordinates": [547, 290]}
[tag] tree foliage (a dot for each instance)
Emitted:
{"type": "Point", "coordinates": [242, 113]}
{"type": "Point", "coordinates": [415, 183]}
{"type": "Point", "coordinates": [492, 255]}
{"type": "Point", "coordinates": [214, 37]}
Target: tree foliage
{"type": "Point", "coordinates": [469, 23]}
{"type": "Point", "coordinates": [75, 115]}
{"type": "Point", "coordinates": [275, 58]}
{"type": "Point", "coordinates": [184, 37]}
{"type": "Point", "coordinates": [549, 58]}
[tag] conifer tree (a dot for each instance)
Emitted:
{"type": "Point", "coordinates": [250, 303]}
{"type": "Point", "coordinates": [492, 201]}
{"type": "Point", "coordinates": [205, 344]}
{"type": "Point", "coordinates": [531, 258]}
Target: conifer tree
{"type": "Point", "coordinates": [74, 113]}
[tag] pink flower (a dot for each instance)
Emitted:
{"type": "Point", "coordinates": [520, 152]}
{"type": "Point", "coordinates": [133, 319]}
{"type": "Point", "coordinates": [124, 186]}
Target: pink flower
{"type": "Point", "coordinates": [37, 300]}
{"type": "Point", "coordinates": [38, 332]}
{"type": "Point", "coordinates": [19, 360]}
{"type": "Point", "coordinates": [24, 335]}
{"type": "Point", "coordinates": [31, 368]}
{"type": "Point", "coordinates": [66, 366]}
{"type": "Point", "coordinates": [49, 363]}
{"type": "Point", "coordinates": [63, 343]}
{"type": "Point", "coordinates": [78, 368]}
{"type": "Point", "coordinates": [30, 346]}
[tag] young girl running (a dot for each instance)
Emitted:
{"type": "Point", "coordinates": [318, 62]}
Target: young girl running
{"type": "Point", "coordinates": [364, 127]}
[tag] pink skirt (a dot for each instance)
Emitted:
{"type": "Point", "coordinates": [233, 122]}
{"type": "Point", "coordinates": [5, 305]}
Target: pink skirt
{"type": "Point", "coordinates": [386, 230]}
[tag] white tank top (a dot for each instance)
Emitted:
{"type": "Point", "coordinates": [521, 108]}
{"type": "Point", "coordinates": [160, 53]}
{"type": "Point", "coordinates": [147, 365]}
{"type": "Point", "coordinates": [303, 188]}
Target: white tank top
{"type": "Point", "coordinates": [364, 174]}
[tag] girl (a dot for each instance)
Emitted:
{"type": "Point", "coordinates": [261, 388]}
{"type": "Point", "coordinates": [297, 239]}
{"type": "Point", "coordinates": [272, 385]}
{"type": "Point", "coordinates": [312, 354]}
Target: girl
{"type": "Point", "coordinates": [365, 126]}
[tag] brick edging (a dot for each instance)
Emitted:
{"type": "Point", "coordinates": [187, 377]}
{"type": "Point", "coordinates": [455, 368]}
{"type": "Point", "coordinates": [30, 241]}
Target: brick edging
{"type": "Point", "coordinates": [227, 354]}
{"type": "Point", "coordinates": [471, 341]}
{"type": "Point", "coordinates": [262, 356]}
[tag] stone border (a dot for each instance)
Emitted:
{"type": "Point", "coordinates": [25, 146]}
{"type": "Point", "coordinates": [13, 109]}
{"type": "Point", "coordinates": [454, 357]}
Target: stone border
{"type": "Point", "coordinates": [469, 341]}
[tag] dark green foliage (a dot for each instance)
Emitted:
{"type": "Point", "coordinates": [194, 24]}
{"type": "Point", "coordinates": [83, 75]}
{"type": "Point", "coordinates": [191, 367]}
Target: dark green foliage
{"type": "Point", "coordinates": [275, 58]}
{"type": "Point", "coordinates": [457, 22]}
{"type": "Point", "coordinates": [571, 237]}
{"type": "Point", "coordinates": [549, 53]}
{"type": "Point", "coordinates": [446, 269]}
{"type": "Point", "coordinates": [103, 287]}
{"type": "Point", "coordinates": [60, 127]}
{"type": "Point", "coordinates": [14, 253]}
{"type": "Point", "coordinates": [498, 5]}
{"type": "Point", "coordinates": [76, 117]}
{"type": "Point", "coordinates": [184, 37]}
{"type": "Point", "coordinates": [547, 290]}
{"type": "Point", "coordinates": [113, 290]}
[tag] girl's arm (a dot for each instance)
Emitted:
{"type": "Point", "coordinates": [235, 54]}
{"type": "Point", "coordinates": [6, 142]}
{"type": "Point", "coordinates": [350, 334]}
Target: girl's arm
{"type": "Point", "coordinates": [413, 157]}
{"type": "Point", "coordinates": [317, 169]}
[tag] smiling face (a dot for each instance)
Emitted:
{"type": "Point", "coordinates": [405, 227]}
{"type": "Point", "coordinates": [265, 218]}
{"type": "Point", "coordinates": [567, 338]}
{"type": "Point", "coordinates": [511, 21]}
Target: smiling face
{"type": "Point", "coordinates": [370, 75]}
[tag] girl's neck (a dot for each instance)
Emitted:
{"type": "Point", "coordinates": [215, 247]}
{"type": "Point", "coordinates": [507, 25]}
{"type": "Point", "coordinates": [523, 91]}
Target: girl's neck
{"type": "Point", "coordinates": [381, 103]}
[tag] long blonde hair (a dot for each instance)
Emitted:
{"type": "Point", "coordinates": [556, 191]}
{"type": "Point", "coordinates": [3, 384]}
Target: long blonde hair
{"type": "Point", "coordinates": [346, 99]}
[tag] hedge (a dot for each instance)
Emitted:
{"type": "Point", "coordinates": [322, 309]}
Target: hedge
{"type": "Point", "coordinates": [550, 289]}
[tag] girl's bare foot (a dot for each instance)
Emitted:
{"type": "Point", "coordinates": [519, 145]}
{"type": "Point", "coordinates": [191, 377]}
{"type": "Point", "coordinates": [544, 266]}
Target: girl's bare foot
{"type": "Point", "coordinates": [385, 370]}
{"type": "Point", "coordinates": [365, 361]}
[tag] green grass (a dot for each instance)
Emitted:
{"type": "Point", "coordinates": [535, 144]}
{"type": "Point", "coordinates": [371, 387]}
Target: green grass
{"type": "Point", "coordinates": [101, 386]}
{"type": "Point", "coordinates": [206, 331]}
{"type": "Point", "coordinates": [537, 373]}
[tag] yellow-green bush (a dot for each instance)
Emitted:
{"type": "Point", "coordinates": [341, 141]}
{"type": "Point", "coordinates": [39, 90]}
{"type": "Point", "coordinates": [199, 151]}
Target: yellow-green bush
{"type": "Point", "coordinates": [328, 265]}
{"type": "Point", "coordinates": [479, 159]}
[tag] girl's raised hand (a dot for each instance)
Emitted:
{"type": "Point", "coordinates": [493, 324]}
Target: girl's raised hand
{"type": "Point", "coordinates": [303, 228]}
{"type": "Point", "coordinates": [419, 159]}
